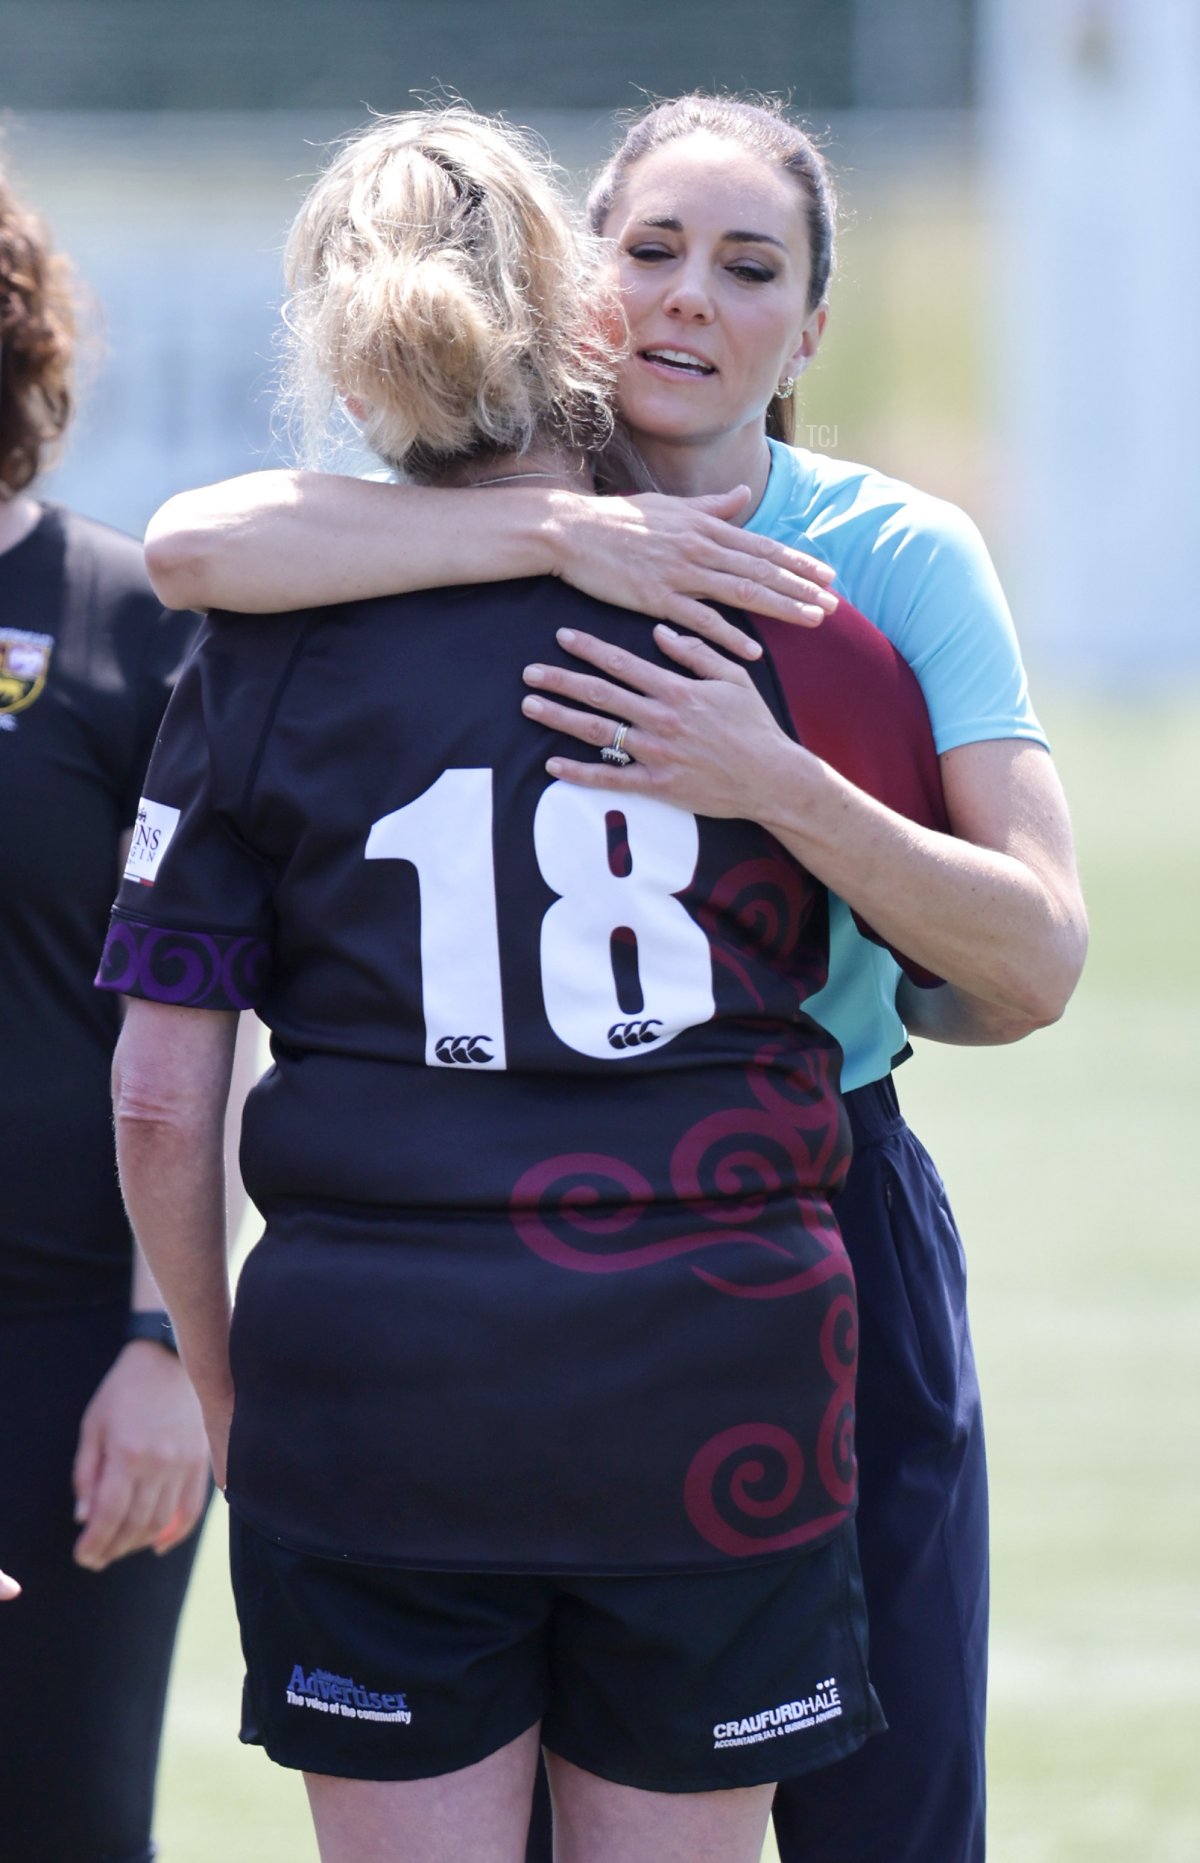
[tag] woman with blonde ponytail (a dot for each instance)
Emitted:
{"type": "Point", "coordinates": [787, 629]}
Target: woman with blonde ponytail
{"type": "Point", "coordinates": [438, 290]}
{"type": "Point", "coordinates": [536, 1411]}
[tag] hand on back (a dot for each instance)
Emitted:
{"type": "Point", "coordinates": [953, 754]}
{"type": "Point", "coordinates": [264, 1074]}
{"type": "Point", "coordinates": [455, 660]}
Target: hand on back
{"type": "Point", "coordinates": [670, 558]}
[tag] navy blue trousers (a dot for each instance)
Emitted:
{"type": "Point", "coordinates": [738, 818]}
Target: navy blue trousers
{"type": "Point", "coordinates": [914, 1794]}
{"type": "Point", "coordinates": [84, 1656]}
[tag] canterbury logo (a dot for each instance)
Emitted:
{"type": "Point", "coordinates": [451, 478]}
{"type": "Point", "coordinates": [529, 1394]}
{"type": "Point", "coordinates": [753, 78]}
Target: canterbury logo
{"type": "Point", "coordinates": [453, 1048]}
{"type": "Point", "coordinates": [633, 1034]}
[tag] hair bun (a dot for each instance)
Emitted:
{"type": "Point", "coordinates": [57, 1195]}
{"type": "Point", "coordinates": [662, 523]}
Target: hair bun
{"type": "Point", "coordinates": [421, 352]}
{"type": "Point", "coordinates": [438, 282]}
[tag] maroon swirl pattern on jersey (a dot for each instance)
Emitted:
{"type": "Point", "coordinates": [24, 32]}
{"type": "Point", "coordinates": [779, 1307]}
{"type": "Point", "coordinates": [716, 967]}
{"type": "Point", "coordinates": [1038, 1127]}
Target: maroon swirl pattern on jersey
{"type": "Point", "coordinates": [801, 1087]}
{"type": "Point", "coordinates": [767, 905]}
{"type": "Point", "coordinates": [741, 1486]}
{"type": "Point", "coordinates": [835, 1444]}
{"type": "Point", "coordinates": [727, 1168]}
{"type": "Point", "coordinates": [736, 1187]}
{"type": "Point", "coordinates": [571, 1209]}
{"type": "Point", "coordinates": [196, 970]}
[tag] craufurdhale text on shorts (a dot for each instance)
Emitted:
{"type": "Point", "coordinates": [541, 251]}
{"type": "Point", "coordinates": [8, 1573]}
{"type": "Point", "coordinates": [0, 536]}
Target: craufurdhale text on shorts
{"type": "Point", "coordinates": [792, 1717]}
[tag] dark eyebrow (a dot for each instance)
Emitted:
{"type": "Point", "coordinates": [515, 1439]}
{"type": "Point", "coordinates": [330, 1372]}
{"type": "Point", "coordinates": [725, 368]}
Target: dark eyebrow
{"type": "Point", "coordinates": [742, 238]}
{"type": "Point", "coordinates": [737, 237]}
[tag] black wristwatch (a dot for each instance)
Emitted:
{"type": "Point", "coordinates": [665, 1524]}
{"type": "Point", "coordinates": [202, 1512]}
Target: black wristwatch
{"type": "Point", "coordinates": [154, 1325]}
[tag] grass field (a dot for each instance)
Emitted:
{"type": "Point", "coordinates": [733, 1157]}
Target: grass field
{"type": "Point", "coordinates": [1066, 1159]}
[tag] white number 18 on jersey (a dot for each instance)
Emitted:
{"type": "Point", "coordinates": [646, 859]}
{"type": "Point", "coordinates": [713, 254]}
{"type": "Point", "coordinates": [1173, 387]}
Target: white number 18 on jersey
{"type": "Point", "coordinates": [447, 835]}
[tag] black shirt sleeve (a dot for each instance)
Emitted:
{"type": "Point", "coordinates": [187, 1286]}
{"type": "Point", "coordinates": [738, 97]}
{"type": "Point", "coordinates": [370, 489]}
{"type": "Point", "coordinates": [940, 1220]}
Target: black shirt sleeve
{"type": "Point", "coordinates": [193, 923]}
{"type": "Point", "coordinates": [163, 648]}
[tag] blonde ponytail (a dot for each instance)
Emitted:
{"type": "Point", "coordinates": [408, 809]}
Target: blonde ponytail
{"type": "Point", "coordinates": [438, 284]}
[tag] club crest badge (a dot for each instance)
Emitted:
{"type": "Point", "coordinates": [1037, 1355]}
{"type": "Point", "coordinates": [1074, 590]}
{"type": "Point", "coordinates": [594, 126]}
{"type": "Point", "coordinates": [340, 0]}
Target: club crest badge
{"type": "Point", "coordinates": [24, 663]}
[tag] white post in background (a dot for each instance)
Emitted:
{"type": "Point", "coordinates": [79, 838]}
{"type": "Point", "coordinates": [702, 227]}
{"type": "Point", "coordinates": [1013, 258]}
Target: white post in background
{"type": "Point", "coordinates": [1092, 148]}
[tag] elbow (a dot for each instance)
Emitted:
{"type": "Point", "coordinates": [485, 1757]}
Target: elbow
{"type": "Point", "coordinates": [1032, 1003]}
{"type": "Point", "coordinates": [1038, 995]}
{"type": "Point", "coordinates": [159, 1109]}
{"type": "Point", "coordinates": [178, 554]}
{"type": "Point", "coordinates": [1010, 1025]}
{"type": "Point", "coordinates": [144, 1116]}
{"type": "Point", "coordinates": [1005, 1026]}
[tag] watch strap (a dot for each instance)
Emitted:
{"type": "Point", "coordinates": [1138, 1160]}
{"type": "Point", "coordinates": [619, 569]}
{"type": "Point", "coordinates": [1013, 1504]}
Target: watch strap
{"type": "Point", "coordinates": [155, 1325]}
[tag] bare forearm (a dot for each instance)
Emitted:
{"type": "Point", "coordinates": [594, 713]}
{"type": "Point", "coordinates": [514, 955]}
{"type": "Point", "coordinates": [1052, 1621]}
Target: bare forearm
{"type": "Point", "coordinates": [280, 540]}
{"type": "Point", "coordinates": [992, 907]}
{"type": "Point", "coordinates": [273, 541]}
{"type": "Point", "coordinates": [949, 1014]}
{"type": "Point", "coordinates": [173, 1181]}
{"type": "Point", "coordinates": [170, 1085]}
{"type": "Point", "coordinates": [984, 920]}
{"type": "Point", "coordinates": [145, 1295]}
{"type": "Point", "coordinates": [248, 1064]}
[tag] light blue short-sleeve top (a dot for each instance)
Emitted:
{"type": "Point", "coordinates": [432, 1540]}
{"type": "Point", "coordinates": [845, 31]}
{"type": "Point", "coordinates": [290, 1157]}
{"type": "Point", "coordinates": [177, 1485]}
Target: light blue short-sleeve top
{"type": "Point", "coordinates": [918, 568]}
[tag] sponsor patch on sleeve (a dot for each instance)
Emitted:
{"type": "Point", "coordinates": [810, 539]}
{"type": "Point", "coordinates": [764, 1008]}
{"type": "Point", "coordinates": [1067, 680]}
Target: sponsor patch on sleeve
{"type": "Point", "coordinates": [152, 832]}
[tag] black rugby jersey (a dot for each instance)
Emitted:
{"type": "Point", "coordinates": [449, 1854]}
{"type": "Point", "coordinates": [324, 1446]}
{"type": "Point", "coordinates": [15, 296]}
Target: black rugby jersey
{"type": "Point", "coordinates": [550, 1279]}
{"type": "Point", "coordinates": [86, 663]}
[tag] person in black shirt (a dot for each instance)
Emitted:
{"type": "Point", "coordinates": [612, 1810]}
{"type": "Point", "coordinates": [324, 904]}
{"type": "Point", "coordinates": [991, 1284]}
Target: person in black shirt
{"type": "Point", "coordinates": [537, 1415]}
{"type": "Point", "coordinates": [102, 1455]}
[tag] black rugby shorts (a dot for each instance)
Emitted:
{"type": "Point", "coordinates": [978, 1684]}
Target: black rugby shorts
{"type": "Point", "coordinates": [671, 1683]}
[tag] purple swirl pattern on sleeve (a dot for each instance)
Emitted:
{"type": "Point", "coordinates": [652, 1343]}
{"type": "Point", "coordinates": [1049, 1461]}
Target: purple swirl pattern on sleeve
{"type": "Point", "coordinates": [196, 970]}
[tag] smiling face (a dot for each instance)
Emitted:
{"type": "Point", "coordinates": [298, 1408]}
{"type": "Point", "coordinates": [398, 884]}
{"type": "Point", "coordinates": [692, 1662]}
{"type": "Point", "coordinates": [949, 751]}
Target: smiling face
{"type": "Point", "coordinates": [711, 247]}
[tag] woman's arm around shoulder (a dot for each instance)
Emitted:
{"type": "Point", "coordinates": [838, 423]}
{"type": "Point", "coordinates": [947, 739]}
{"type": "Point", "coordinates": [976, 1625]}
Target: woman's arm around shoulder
{"type": "Point", "coordinates": [993, 906]}
{"type": "Point", "coordinates": [279, 540]}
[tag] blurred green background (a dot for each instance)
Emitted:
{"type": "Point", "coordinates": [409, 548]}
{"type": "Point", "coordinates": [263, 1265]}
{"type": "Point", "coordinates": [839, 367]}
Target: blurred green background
{"type": "Point", "coordinates": [169, 147]}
